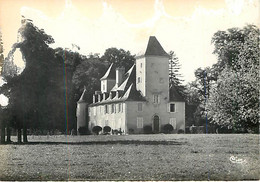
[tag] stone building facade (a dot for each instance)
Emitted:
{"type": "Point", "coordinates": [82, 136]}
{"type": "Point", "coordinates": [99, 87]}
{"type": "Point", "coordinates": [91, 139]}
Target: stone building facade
{"type": "Point", "coordinates": [141, 97]}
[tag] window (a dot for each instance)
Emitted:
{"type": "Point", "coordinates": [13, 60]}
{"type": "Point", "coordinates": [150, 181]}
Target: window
{"type": "Point", "coordinates": [141, 65]}
{"type": "Point", "coordinates": [140, 106]}
{"type": "Point", "coordinates": [112, 108]}
{"type": "Point", "coordinates": [139, 122]}
{"type": "Point", "coordinates": [119, 107]}
{"type": "Point", "coordinates": [95, 111]}
{"type": "Point", "coordinates": [172, 107]}
{"type": "Point", "coordinates": [173, 122]}
{"type": "Point", "coordinates": [156, 99]}
{"type": "Point", "coordinates": [103, 87]}
{"type": "Point", "coordinates": [106, 109]}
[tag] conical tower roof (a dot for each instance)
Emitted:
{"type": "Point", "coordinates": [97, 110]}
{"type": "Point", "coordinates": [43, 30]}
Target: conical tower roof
{"type": "Point", "coordinates": [154, 48]}
{"type": "Point", "coordinates": [175, 95]}
{"type": "Point", "coordinates": [83, 96]}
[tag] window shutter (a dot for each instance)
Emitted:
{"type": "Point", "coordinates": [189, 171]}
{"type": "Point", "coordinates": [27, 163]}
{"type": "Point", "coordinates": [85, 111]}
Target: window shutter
{"type": "Point", "coordinates": [173, 122]}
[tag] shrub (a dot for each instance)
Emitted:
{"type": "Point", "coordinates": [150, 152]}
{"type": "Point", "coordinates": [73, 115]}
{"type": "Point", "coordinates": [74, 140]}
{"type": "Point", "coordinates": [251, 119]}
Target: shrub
{"type": "Point", "coordinates": [96, 129]}
{"type": "Point", "coordinates": [83, 130]}
{"type": "Point", "coordinates": [115, 132]}
{"type": "Point", "coordinates": [187, 130]}
{"type": "Point", "coordinates": [106, 129]}
{"type": "Point", "coordinates": [180, 131]}
{"type": "Point", "coordinates": [131, 130]}
{"type": "Point", "coordinates": [168, 128]}
{"type": "Point", "coordinates": [224, 130]}
{"type": "Point", "coordinates": [148, 129]}
{"type": "Point", "coordinates": [193, 129]}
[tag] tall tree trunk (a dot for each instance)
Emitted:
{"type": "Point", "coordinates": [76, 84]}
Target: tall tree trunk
{"type": "Point", "coordinates": [25, 140]}
{"type": "Point", "coordinates": [8, 134]}
{"type": "Point", "coordinates": [19, 135]}
{"type": "Point", "coordinates": [2, 134]}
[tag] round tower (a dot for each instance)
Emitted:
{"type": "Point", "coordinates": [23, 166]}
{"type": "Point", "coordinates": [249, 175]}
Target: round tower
{"type": "Point", "coordinates": [82, 112]}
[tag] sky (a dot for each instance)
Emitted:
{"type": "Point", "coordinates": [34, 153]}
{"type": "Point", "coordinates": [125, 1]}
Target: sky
{"type": "Point", "coordinates": [183, 26]}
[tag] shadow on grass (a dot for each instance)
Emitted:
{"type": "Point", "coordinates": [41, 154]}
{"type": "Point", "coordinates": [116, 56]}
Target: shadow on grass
{"type": "Point", "coordinates": [124, 142]}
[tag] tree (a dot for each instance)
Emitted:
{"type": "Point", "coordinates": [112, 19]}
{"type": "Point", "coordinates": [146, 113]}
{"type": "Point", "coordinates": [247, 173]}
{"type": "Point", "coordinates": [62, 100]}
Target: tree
{"type": "Point", "coordinates": [175, 77]}
{"type": "Point", "coordinates": [234, 100]}
{"type": "Point", "coordinates": [192, 109]}
{"type": "Point", "coordinates": [119, 57]}
{"type": "Point", "coordinates": [2, 126]}
{"type": "Point", "coordinates": [70, 61]}
{"type": "Point", "coordinates": [26, 90]}
{"type": "Point", "coordinates": [228, 44]}
{"type": "Point", "coordinates": [197, 96]}
{"type": "Point", "coordinates": [88, 74]}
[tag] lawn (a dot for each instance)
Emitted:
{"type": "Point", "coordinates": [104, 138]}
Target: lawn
{"type": "Point", "coordinates": [133, 157]}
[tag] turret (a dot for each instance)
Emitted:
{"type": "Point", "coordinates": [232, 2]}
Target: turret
{"type": "Point", "coordinates": [152, 75]}
{"type": "Point", "coordinates": [82, 111]}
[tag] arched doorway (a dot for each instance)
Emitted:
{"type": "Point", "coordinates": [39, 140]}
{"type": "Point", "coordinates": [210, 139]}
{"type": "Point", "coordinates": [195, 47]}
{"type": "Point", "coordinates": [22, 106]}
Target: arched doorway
{"type": "Point", "coordinates": [156, 124]}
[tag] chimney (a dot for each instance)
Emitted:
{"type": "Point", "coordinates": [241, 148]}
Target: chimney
{"type": "Point", "coordinates": [119, 76]}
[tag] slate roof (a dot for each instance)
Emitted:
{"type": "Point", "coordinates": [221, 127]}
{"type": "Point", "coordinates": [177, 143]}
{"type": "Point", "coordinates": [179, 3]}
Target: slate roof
{"type": "Point", "coordinates": [110, 74]}
{"type": "Point", "coordinates": [130, 77]}
{"type": "Point", "coordinates": [175, 95]}
{"type": "Point", "coordinates": [154, 48]}
{"type": "Point", "coordinates": [83, 96]}
{"type": "Point", "coordinates": [132, 94]}
{"type": "Point", "coordinates": [126, 91]}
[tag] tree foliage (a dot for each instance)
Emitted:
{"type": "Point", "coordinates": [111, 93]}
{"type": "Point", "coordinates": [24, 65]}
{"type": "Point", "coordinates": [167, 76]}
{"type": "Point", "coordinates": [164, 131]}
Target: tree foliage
{"type": "Point", "coordinates": [175, 77]}
{"type": "Point", "coordinates": [88, 74]}
{"type": "Point", "coordinates": [228, 44]}
{"type": "Point", "coordinates": [227, 94]}
{"type": "Point", "coordinates": [174, 70]}
{"type": "Point", "coordinates": [119, 57]}
{"type": "Point", "coordinates": [235, 95]}
{"type": "Point", "coordinates": [41, 96]}
{"type": "Point", "coordinates": [26, 91]}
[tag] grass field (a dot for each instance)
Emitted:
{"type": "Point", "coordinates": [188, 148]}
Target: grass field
{"type": "Point", "coordinates": [133, 157]}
